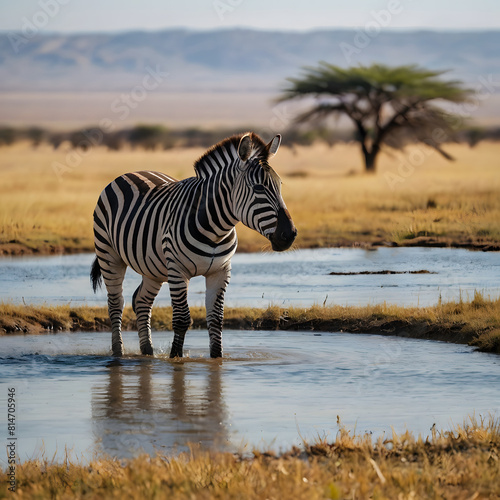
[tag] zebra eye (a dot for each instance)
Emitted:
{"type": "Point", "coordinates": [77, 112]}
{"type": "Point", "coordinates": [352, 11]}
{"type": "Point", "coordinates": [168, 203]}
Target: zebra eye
{"type": "Point", "coordinates": [258, 188]}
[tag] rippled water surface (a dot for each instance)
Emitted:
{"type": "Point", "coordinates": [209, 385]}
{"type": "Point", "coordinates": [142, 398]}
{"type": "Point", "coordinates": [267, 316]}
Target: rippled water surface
{"type": "Point", "coordinates": [270, 390]}
{"type": "Point", "coordinates": [292, 278]}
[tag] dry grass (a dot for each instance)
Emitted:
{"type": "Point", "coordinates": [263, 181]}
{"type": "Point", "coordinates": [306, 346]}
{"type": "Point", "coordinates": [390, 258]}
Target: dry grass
{"type": "Point", "coordinates": [40, 209]}
{"type": "Point", "coordinates": [476, 322]}
{"type": "Point", "coordinates": [330, 200]}
{"type": "Point", "coordinates": [456, 201]}
{"type": "Point", "coordinates": [459, 464]}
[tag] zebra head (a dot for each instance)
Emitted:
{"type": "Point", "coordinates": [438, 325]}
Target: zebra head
{"type": "Point", "coordinates": [258, 202]}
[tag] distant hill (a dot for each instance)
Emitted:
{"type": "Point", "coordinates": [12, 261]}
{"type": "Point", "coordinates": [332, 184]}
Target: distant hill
{"type": "Point", "coordinates": [236, 60]}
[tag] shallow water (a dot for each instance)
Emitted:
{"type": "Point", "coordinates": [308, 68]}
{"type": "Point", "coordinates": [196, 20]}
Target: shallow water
{"type": "Point", "coordinates": [292, 278]}
{"type": "Point", "coordinates": [271, 390]}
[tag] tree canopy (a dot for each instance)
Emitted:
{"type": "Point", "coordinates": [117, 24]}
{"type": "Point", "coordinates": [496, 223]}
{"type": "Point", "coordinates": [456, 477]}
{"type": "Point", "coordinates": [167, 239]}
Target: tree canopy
{"type": "Point", "coordinates": [388, 105]}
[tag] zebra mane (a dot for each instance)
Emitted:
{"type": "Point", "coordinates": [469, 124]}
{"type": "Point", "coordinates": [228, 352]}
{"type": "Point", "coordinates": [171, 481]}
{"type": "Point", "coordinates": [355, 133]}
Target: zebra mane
{"type": "Point", "coordinates": [225, 152]}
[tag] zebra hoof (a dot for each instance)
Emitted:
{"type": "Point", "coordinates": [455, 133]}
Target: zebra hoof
{"type": "Point", "coordinates": [176, 353]}
{"type": "Point", "coordinates": [118, 353]}
{"type": "Point", "coordinates": [147, 350]}
{"type": "Point", "coordinates": [216, 354]}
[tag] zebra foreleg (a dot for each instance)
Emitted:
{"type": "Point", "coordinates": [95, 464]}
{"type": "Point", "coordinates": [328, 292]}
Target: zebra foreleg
{"type": "Point", "coordinates": [216, 288]}
{"type": "Point", "coordinates": [181, 317]}
{"type": "Point", "coordinates": [142, 304]}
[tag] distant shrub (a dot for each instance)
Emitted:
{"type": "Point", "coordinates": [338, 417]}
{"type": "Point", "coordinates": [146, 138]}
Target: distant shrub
{"type": "Point", "coordinates": [307, 136]}
{"type": "Point", "coordinates": [200, 138]}
{"type": "Point", "coordinates": [8, 136]}
{"type": "Point", "coordinates": [431, 203]}
{"type": "Point", "coordinates": [298, 174]}
{"type": "Point", "coordinates": [148, 136]}
{"type": "Point", "coordinates": [36, 135]}
{"type": "Point", "coordinates": [86, 138]}
{"type": "Point", "coordinates": [474, 135]}
{"type": "Point", "coordinates": [153, 137]}
{"type": "Point", "coordinates": [56, 139]}
{"type": "Point", "coordinates": [115, 141]}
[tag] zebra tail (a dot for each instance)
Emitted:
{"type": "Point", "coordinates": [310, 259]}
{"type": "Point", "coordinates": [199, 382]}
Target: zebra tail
{"type": "Point", "coordinates": [96, 275]}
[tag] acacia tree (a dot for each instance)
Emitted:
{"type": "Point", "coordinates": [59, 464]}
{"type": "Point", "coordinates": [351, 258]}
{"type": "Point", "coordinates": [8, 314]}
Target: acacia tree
{"type": "Point", "coordinates": [388, 105]}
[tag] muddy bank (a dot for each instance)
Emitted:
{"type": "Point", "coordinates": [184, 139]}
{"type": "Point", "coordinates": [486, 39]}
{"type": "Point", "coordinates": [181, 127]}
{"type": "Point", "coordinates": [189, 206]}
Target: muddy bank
{"type": "Point", "coordinates": [385, 271]}
{"type": "Point", "coordinates": [18, 248]}
{"type": "Point", "coordinates": [484, 245]}
{"type": "Point", "coordinates": [401, 328]}
{"type": "Point", "coordinates": [476, 323]}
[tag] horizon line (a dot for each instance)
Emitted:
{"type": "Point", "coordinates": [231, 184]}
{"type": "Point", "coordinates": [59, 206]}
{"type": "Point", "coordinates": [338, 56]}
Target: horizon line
{"type": "Point", "coordinates": [456, 30]}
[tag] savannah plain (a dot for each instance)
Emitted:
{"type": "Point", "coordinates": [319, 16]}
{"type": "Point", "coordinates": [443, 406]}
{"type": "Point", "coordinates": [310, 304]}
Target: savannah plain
{"type": "Point", "coordinates": [415, 198]}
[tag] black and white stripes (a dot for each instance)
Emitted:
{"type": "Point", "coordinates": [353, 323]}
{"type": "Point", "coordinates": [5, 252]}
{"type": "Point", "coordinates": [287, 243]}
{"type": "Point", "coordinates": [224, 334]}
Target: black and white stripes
{"type": "Point", "coordinates": [170, 231]}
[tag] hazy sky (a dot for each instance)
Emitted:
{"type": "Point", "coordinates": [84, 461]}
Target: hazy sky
{"type": "Point", "coordinates": [114, 15]}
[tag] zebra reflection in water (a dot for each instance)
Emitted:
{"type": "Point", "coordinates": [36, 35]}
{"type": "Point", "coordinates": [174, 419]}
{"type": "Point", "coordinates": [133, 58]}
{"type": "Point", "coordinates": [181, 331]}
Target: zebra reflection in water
{"type": "Point", "coordinates": [142, 408]}
{"type": "Point", "coordinates": [170, 231]}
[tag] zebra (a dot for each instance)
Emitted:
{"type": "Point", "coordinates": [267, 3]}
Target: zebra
{"type": "Point", "coordinates": [169, 231]}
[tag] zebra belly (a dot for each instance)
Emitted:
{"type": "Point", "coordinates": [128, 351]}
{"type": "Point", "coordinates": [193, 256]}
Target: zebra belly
{"type": "Point", "coordinates": [152, 265]}
{"type": "Point", "coordinates": [201, 261]}
{"type": "Point", "coordinates": [213, 264]}
{"type": "Point", "coordinates": [191, 264]}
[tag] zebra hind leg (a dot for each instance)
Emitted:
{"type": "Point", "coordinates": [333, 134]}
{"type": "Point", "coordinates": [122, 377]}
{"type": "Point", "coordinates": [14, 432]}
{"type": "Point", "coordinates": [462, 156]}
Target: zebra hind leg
{"type": "Point", "coordinates": [142, 303]}
{"type": "Point", "coordinates": [113, 273]}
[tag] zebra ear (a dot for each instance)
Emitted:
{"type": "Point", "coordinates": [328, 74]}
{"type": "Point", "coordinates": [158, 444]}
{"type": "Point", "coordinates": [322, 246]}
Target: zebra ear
{"type": "Point", "coordinates": [245, 147]}
{"type": "Point", "coordinates": [274, 145]}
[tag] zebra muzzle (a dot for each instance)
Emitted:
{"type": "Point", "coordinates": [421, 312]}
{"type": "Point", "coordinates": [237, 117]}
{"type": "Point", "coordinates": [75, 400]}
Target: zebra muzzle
{"type": "Point", "coordinates": [285, 233]}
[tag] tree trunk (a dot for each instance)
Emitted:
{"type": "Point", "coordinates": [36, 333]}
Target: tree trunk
{"type": "Point", "coordinates": [370, 156]}
{"type": "Point", "coordinates": [369, 153]}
